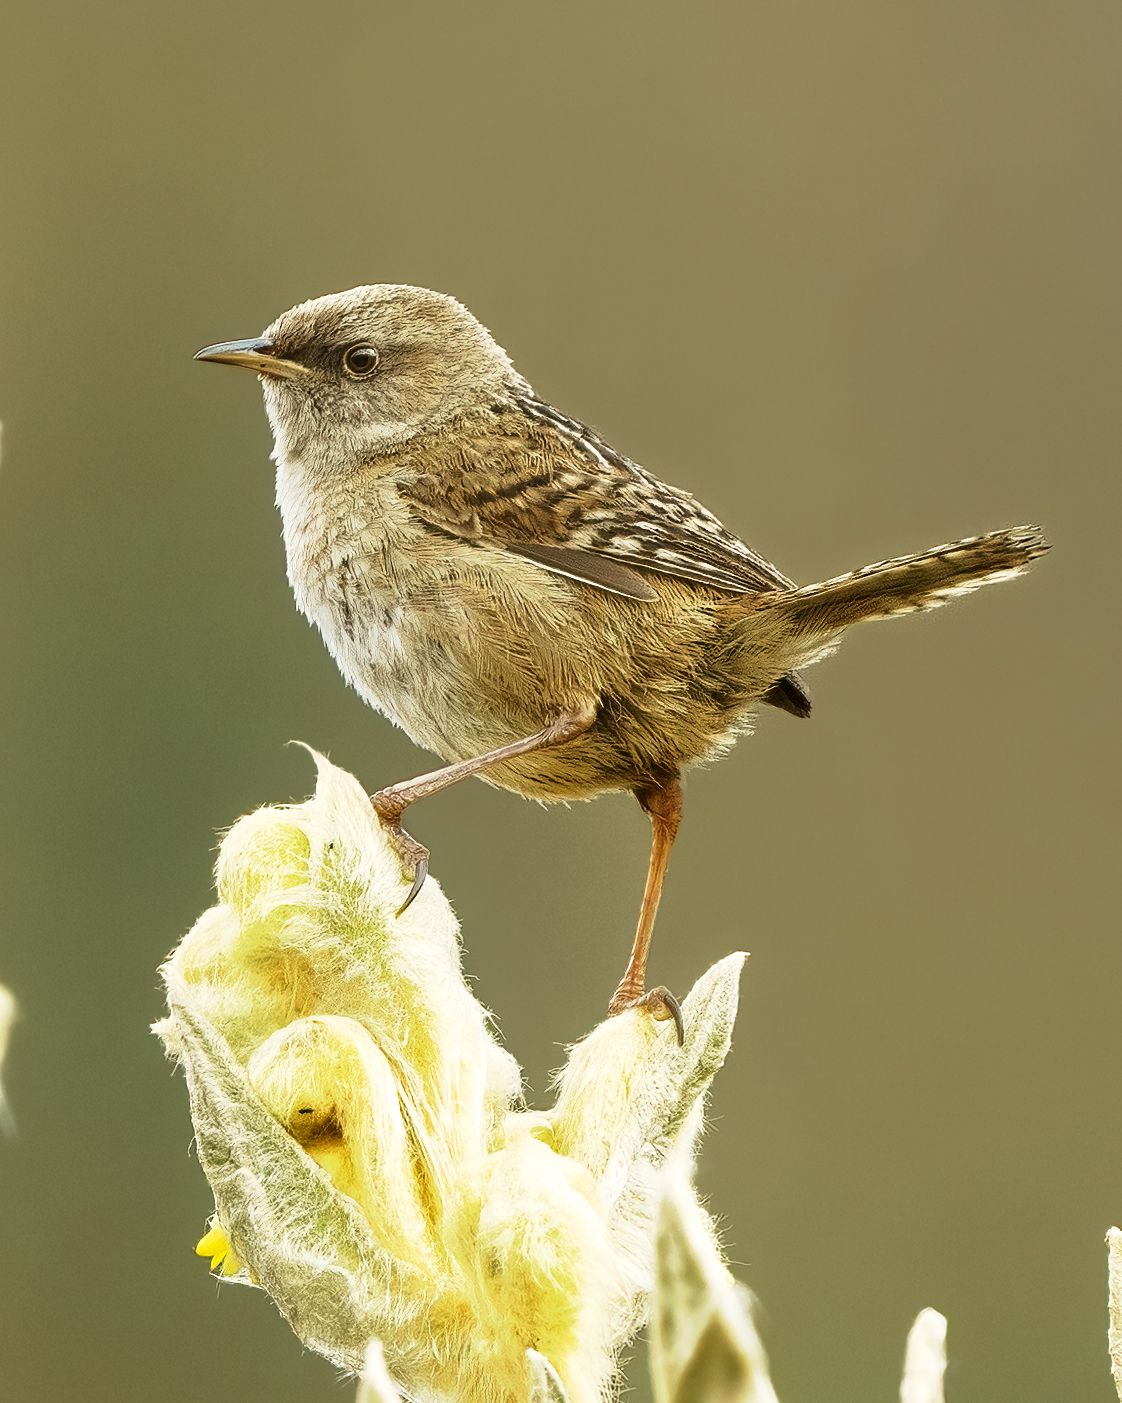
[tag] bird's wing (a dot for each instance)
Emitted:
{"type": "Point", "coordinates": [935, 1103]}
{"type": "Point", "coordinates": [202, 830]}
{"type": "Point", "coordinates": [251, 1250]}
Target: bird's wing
{"type": "Point", "coordinates": [548, 488]}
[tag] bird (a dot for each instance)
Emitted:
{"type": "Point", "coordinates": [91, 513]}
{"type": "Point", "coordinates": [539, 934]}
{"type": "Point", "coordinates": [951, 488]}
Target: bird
{"type": "Point", "coordinates": [519, 597]}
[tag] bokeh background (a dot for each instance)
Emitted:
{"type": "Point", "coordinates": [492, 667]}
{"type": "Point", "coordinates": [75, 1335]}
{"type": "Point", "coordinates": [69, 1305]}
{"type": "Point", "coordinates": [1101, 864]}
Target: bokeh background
{"type": "Point", "coordinates": [848, 272]}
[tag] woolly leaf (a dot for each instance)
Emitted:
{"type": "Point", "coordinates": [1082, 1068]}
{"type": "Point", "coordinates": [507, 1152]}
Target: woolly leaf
{"type": "Point", "coordinates": [545, 1386]}
{"type": "Point", "coordinates": [925, 1359]}
{"type": "Point", "coordinates": [307, 1244]}
{"type": "Point", "coordinates": [1114, 1334]}
{"type": "Point", "coordinates": [7, 1018]}
{"type": "Point", "coordinates": [704, 1343]}
{"type": "Point", "coordinates": [376, 1386]}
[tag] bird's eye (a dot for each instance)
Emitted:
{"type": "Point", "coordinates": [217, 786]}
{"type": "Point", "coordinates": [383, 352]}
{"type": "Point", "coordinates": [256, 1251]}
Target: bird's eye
{"type": "Point", "coordinates": [360, 361]}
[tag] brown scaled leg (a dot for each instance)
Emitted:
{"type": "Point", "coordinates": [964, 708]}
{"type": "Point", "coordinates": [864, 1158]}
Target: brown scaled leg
{"type": "Point", "coordinates": [391, 803]}
{"type": "Point", "coordinates": [662, 801]}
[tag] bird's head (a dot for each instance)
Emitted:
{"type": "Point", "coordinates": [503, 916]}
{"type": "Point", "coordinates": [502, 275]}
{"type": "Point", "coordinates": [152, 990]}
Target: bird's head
{"type": "Point", "coordinates": [355, 375]}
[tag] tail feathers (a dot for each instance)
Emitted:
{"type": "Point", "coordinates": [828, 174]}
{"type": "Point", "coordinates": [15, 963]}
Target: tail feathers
{"type": "Point", "coordinates": [790, 694]}
{"type": "Point", "coordinates": [909, 583]}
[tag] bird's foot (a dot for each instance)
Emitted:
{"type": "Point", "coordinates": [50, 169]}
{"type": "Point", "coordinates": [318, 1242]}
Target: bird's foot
{"type": "Point", "coordinates": [413, 856]}
{"type": "Point", "coordinates": [659, 1002]}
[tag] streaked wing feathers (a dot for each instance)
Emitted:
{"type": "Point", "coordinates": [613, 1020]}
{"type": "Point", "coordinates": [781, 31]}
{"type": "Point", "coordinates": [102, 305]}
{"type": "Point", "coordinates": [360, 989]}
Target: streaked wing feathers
{"type": "Point", "coordinates": [548, 488]}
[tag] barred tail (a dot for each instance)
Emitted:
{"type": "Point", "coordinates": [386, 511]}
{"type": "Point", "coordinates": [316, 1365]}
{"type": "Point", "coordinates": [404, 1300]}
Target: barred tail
{"type": "Point", "coordinates": [909, 583]}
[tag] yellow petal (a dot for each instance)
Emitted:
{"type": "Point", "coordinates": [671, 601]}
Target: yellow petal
{"type": "Point", "coordinates": [213, 1243]}
{"type": "Point", "coordinates": [216, 1245]}
{"type": "Point", "coordinates": [231, 1263]}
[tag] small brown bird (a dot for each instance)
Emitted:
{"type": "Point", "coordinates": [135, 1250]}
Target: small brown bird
{"type": "Point", "coordinates": [520, 598]}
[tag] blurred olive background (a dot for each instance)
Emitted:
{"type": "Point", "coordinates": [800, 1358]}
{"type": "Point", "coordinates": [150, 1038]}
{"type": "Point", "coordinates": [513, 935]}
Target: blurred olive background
{"type": "Point", "coordinates": [848, 272]}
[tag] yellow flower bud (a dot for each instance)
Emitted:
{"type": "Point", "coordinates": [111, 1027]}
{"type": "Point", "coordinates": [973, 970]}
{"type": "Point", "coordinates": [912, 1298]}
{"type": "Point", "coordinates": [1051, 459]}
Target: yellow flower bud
{"type": "Point", "coordinates": [360, 1126]}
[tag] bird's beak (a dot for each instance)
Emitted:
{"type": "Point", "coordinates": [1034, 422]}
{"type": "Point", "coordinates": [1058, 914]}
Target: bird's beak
{"type": "Point", "coordinates": [254, 355]}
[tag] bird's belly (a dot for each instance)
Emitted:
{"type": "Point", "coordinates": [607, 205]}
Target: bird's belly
{"type": "Point", "coordinates": [481, 662]}
{"type": "Point", "coordinates": [428, 676]}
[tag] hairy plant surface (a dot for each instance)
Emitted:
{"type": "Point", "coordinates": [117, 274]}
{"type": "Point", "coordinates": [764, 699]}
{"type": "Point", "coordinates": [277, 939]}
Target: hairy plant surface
{"type": "Point", "coordinates": [361, 1127]}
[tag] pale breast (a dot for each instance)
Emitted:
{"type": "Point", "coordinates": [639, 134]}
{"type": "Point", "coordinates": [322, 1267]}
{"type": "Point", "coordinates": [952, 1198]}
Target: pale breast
{"type": "Point", "coordinates": [407, 621]}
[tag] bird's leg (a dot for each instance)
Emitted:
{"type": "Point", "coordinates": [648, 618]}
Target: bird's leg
{"type": "Point", "coordinates": [391, 803]}
{"type": "Point", "coordinates": [662, 801]}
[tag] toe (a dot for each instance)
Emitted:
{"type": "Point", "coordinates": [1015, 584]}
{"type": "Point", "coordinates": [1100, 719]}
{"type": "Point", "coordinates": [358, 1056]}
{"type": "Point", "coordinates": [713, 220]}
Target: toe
{"type": "Point", "coordinates": [662, 1005]}
{"type": "Point", "coordinates": [659, 1003]}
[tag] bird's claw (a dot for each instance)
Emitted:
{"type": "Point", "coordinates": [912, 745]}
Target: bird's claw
{"type": "Point", "coordinates": [659, 1002]}
{"type": "Point", "coordinates": [420, 872]}
{"type": "Point", "coordinates": [413, 856]}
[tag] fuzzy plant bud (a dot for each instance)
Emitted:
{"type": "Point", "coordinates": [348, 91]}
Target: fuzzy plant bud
{"type": "Point", "coordinates": [925, 1359]}
{"type": "Point", "coordinates": [361, 1128]}
{"type": "Point", "coordinates": [1114, 1305]}
{"type": "Point", "coordinates": [7, 1018]}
